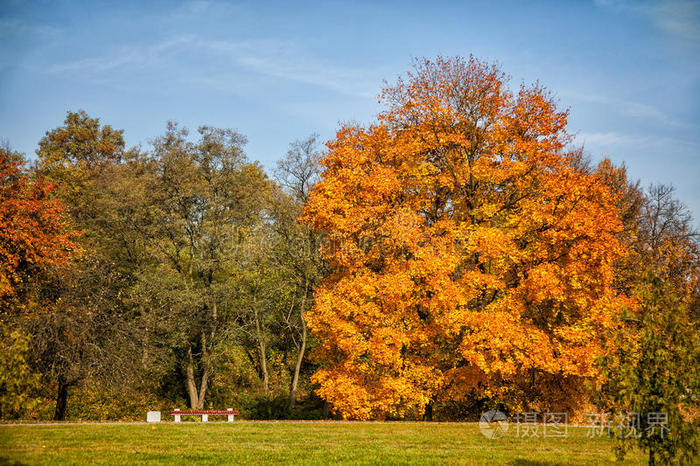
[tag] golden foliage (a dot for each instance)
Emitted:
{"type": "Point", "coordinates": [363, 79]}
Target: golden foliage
{"type": "Point", "coordinates": [468, 251]}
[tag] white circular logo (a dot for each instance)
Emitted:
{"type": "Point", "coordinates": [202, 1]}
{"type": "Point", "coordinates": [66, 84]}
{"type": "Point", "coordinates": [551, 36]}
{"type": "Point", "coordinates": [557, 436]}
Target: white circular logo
{"type": "Point", "coordinates": [493, 424]}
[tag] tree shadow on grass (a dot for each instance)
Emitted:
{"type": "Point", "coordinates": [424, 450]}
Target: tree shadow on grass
{"type": "Point", "coordinates": [5, 461]}
{"type": "Point", "coordinates": [526, 462]}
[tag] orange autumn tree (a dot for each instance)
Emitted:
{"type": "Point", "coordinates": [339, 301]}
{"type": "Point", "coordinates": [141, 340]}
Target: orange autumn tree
{"type": "Point", "coordinates": [33, 233]}
{"type": "Point", "coordinates": [469, 254]}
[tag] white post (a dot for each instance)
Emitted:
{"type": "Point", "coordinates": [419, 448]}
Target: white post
{"type": "Point", "coordinates": [177, 416]}
{"type": "Point", "coordinates": [205, 417]}
{"type": "Point", "coordinates": [230, 416]}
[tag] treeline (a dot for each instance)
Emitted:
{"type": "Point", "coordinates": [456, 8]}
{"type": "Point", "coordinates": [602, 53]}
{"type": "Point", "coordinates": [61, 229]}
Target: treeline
{"type": "Point", "coordinates": [173, 277]}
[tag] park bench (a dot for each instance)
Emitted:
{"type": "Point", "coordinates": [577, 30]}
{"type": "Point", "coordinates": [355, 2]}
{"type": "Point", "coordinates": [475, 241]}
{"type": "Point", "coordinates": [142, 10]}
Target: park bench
{"type": "Point", "coordinates": [230, 412]}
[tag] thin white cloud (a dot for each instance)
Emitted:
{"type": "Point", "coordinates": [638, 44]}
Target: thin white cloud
{"type": "Point", "coordinates": [272, 58]}
{"type": "Point", "coordinates": [642, 110]}
{"type": "Point", "coordinates": [609, 140]}
{"type": "Point", "coordinates": [678, 18]}
{"type": "Point", "coordinates": [628, 108]}
{"type": "Point", "coordinates": [135, 56]}
{"type": "Point", "coordinates": [16, 26]}
{"type": "Point", "coordinates": [310, 71]}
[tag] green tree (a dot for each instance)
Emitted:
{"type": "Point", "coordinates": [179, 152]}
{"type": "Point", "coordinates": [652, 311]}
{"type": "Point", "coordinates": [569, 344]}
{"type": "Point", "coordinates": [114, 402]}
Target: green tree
{"type": "Point", "coordinates": [659, 377]}
{"type": "Point", "coordinates": [653, 364]}
{"type": "Point", "coordinates": [77, 325]}
{"type": "Point", "coordinates": [17, 381]}
{"type": "Point", "coordinates": [297, 249]}
{"type": "Point", "coordinates": [204, 201]}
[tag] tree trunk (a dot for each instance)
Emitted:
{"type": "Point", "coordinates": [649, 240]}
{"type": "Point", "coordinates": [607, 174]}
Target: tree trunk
{"type": "Point", "coordinates": [203, 389]}
{"type": "Point", "coordinates": [302, 348]}
{"type": "Point", "coordinates": [207, 371]}
{"type": "Point", "coordinates": [297, 368]}
{"type": "Point", "coordinates": [428, 413]}
{"type": "Point", "coordinates": [144, 342]}
{"type": "Point", "coordinates": [61, 400]}
{"type": "Point", "coordinates": [197, 397]}
{"type": "Point", "coordinates": [263, 367]}
{"type": "Point", "coordinates": [263, 353]}
{"type": "Point", "coordinates": [652, 459]}
{"type": "Point", "coordinates": [189, 381]}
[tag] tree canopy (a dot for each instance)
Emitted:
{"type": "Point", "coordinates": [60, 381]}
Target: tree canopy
{"type": "Point", "coordinates": [468, 252]}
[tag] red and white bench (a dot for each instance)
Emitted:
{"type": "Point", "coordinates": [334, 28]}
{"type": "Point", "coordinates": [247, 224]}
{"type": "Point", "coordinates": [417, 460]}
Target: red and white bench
{"type": "Point", "coordinates": [230, 412]}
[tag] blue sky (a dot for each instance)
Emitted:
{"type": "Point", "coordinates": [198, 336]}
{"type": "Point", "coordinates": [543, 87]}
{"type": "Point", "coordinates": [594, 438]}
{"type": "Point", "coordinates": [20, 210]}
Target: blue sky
{"type": "Point", "coordinates": [278, 71]}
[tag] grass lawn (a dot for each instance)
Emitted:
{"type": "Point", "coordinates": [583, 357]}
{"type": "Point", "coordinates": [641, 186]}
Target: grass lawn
{"type": "Point", "coordinates": [285, 442]}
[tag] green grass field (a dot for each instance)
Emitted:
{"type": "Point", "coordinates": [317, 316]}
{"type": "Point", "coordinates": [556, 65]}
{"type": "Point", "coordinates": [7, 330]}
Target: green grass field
{"type": "Point", "coordinates": [286, 442]}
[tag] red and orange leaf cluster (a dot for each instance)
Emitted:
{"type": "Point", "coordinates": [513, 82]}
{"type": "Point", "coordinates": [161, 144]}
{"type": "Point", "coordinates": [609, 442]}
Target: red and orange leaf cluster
{"type": "Point", "coordinates": [32, 228]}
{"type": "Point", "coordinates": [469, 253]}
